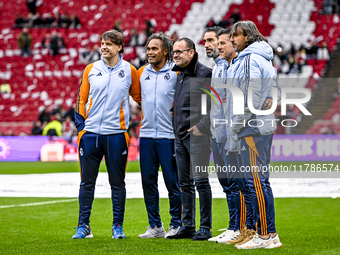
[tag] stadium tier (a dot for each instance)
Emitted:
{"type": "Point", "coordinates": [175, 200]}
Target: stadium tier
{"type": "Point", "coordinates": [42, 80]}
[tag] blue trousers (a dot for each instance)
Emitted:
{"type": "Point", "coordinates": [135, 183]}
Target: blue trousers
{"type": "Point", "coordinates": [229, 186]}
{"type": "Point", "coordinates": [192, 158]}
{"type": "Point", "coordinates": [155, 153]}
{"type": "Point", "coordinates": [92, 148]}
{"type": "Point", "coordinates": [256, 157]}
{"type": "Point", "coordinates": [241, 194]}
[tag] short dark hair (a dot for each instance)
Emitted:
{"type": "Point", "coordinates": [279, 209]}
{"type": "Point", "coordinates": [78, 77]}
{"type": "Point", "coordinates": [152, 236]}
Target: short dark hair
{"type": "Point", "coordinates": [188, 42]}
{"type": "Point", "coordinates": [166, 44]}
{"type": "Point", "coordinates": [215, 29]}
{"type": "Point", "coordinates": [115, 37]}
{"type": "Point", "coordinates": [223, 31]}
{"type": "Point", "coordinates": [248, 28]}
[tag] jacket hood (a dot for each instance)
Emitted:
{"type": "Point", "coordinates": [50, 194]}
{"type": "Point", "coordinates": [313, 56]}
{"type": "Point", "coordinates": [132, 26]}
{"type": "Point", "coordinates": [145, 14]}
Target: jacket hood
{"type": "Point", "coordinates": [260, 48]}
{"type": "Point", "coordinates": [167, 67]}
{"type": "Point", "coordinates": [190, 69]}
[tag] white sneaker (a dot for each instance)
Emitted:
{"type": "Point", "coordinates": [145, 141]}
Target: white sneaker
{"type": "Point", "coordinates": [153, 232]}
{"type": "Point", "coordinates": [214, 239]}
{"type": "Point", "coordinates": [225, 236]}
{"type": "Point", "coordinates": [276, 241]}
{"type": "Point", "coordinates": [257, 243]}
{"type": "Point", "coordinates": [172, 231]}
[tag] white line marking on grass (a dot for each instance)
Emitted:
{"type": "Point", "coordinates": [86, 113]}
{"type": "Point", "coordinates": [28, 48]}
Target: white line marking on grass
{"type": "Point", "coordinates": [39, 203]}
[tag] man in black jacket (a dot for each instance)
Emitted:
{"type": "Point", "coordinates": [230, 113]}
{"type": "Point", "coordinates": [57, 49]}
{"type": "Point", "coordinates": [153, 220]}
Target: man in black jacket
{"type": "Point", "coordinates": [192, 134]}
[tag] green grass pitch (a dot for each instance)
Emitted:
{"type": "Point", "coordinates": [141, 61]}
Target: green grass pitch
{"type": "Point", "coordinates": [73, 166]}
{"type": "Point", "coordinates": [305, 226]}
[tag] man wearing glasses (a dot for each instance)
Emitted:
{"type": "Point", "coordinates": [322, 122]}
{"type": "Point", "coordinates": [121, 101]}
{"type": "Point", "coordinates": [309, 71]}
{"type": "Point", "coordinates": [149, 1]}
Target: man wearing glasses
{"type": "Point", "coordinates": [192, 139]}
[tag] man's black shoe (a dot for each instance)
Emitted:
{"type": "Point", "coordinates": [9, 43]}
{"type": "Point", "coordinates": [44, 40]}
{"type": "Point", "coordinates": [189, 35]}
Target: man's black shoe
{"type": "Point", "coordinates": [202, 235]}
{"type": "Point", "coordinates": [183, 233]}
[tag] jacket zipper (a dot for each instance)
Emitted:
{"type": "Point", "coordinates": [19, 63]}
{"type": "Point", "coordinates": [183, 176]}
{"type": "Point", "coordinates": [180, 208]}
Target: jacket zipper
{"type": "Point", "coordinates": [155, 105]}
{"type": "Point", "coordinates": [107, 88]}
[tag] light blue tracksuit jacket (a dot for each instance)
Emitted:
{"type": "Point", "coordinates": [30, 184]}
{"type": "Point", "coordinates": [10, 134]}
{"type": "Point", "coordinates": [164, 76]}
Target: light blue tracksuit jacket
{"type": "Point", "coordinates": [253, 69]}
{"type": "Point", "coordinates": [158, 90]}
{"type": "Point", "coordinates": [217, 113]}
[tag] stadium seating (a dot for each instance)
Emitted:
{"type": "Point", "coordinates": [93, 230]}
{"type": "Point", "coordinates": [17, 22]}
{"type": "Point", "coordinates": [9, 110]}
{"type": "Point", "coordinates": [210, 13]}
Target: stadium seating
{"type": "Point", "coordinates": [44, 81]}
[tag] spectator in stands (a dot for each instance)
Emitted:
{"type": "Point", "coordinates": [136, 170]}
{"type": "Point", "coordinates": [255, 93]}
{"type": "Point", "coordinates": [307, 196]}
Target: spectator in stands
{"type": "Point", "coordinates": [31, 4]}
{"type": "Point", "coordinates": [38, 21]}
{"type": "Point", "coordinates": [25, 42]}
{"type": "Point", "coordinates": [313, 50]}
{"type": "Point", "coordinates": [150, 27]}
{"type": "Point", "coordinates": [49, 20]}
{"type": "Point", "coordinates": [327, 7]}
{"type": "Point", "coordinates": [68, 128]}
{"type": "Point", "coordinates": [54, 128]}
{"type": "Point", "coordinates": [46, 41]}
{"type": "Point", "coordinates": [284, 68]}
{"type": "Point", "coordinates": [1, 134]}
{"type": "Point", "coordinates": [324, 52]}
{"type": "Point", "coordinates": [174, 37]}
{"type": "Point", "coordinates": [235, 17]}
{"type": "Point", "coordinates": [70, 112]}
{"type": "Point", "coordinates": [295, 67]}
{"type": "Point", "coordinates": [30, 19]}
{"type": "Point", "coordinates": [94, 54]}
{"type": "Point", "coordinates": [36, 129]}
{"type": "Point", "coordinates": [59, 110]}
{"type": "Point", "coordinates": [5, 88]}
{"type": "Point", "coordinates": [301, 56]}
{"type": "Point", "coordinates": [83, 56]}
{"type": "Point", "coordinates": [57, 43]}
{"type": "Point", "coordinates": [57, 20]}
{"type": "Point", "coordinates": [142, 38]}
{"type": "Point", "coordinates": [118, 25]}
{"type": "Point", "coordinates": [20, 21]}
{"type": "Point", "coordinates": [224, 23]}
{"type": "Point", "coordinates": [65, 20]}
{"type": "Point", "coordinates": [291, 50]}
{"type": "Point", "coordinates": [75, 22]}
{"type": "Point", "coordinates": [133, 37]}
{"type": "Point", "coordinates": [44, 116]}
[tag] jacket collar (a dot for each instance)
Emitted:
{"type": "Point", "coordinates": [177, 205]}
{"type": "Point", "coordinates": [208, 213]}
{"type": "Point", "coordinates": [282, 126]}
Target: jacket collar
{"type": "Point", "coordinates": [218, 60]}
{"type": "Point", "coordinates": [116, 66]}
{"type": "Point", "coordinates": [190, 69]}
{"type": "Point", "coordinates": [167, 67]}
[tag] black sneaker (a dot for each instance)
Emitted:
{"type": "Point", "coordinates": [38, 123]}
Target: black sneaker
{"type": "Point", "coordinates": [183, 233]}
{"type": "Point", "coordinates": [202, 234]}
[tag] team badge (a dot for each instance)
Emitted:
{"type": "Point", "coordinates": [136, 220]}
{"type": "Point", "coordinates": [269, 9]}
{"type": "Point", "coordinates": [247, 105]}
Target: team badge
{"type": "Point", "coordinates": [81, 152]}
{"type": "Point", "coordinates": [220, 74]}
{"type": "Point", "coordinates": [121, 74]}
{"type": "Point", "coordinates": [167, 76]}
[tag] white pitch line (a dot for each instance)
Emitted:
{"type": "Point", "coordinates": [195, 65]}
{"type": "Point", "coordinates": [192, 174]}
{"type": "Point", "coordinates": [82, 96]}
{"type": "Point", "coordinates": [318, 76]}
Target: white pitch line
{"type": "Point", "coordinates": [39, 203]}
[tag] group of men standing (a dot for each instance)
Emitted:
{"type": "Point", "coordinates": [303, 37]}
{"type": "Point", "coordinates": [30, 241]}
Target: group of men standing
{"type": "Point", "coordinates": [178, 131]}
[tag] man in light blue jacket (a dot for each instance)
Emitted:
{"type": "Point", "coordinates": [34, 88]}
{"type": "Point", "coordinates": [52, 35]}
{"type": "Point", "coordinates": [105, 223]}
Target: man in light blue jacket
{"type": "Point", "coordinates": [156, 135]}
{"type": "Point", "coordinates": [252, 72]}
{"type": "Point", "coordinates": [218, 132]}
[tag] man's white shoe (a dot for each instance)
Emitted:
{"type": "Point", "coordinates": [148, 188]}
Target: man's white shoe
{"type": "Point", "coordinates": [153, 232]}
{"type": "Point", "coordinates": [214, 239]}
{"type": "Point", "coordinates": [229, 234]}
{"type": "Point", "coordinates": [257, 243]}
{"type": "Point", "coordinates": [172, 231]}
{"type": "Point", "coordinates": [276, 241]}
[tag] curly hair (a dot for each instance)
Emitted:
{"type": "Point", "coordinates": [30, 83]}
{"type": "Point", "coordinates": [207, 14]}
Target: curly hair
{"type": "Point", "coordinates": [166, 44]}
